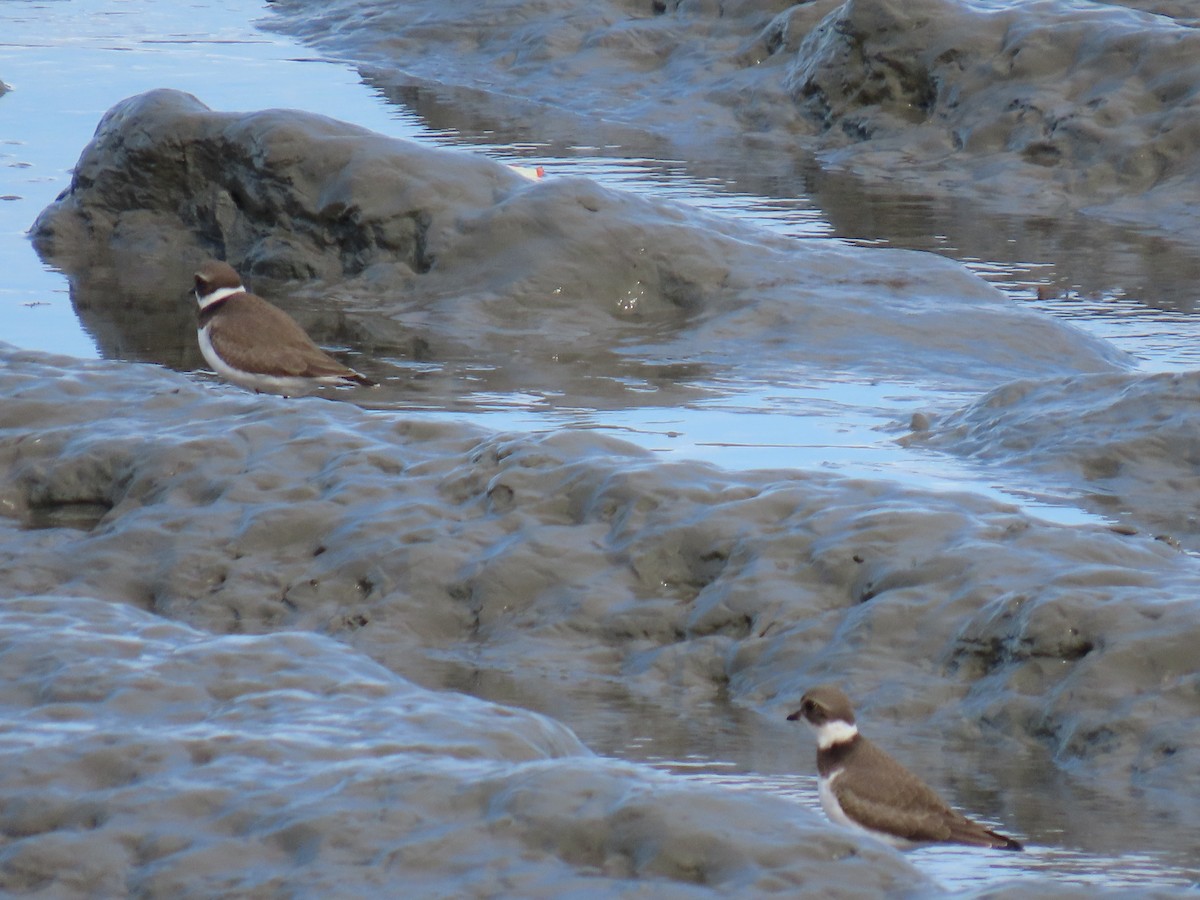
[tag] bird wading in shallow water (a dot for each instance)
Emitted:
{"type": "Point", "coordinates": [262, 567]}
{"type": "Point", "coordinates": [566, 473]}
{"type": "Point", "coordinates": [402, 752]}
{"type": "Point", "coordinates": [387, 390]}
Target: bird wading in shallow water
{"type": "Point", "coordinates": [251, 343]}
{"type": "Point", "coordinates": [865, 789]}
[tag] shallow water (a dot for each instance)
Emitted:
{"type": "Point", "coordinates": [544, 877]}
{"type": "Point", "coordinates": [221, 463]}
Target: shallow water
{"type": "Point", "coordinates": [740, 751]}
{"type": "Point", "coordinates": [69, 62]}
{"type": "Point", "coordinates": [961, 870]}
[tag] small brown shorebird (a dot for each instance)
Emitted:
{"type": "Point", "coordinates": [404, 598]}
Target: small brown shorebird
{"type": "Point", "coordinates": [860, 786]}
{"type": "Point", "coordinates": [256, 345]}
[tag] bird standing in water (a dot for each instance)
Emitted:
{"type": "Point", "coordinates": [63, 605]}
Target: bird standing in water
{"type": "Point", "coordinates": [254, 344]}
{"type": "Point", "coordinates": [860, 786]}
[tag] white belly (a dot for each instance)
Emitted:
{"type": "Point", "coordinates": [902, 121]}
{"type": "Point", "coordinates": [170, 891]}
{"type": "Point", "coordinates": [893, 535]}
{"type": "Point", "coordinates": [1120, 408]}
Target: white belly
{"type": "Point", "coordinates": [829, 802]}
{"type": "Point", "coordinates": [273, 384]}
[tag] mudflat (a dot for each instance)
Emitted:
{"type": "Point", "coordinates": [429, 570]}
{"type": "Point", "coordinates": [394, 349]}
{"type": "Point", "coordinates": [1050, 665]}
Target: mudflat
{"type": "Point", "coordinates": [260, 645]}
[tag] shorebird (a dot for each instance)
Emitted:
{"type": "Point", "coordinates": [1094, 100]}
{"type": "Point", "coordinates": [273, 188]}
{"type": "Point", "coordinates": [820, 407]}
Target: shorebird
{"type": "Point", "coordinates": [860, 786]}
{"type": "Point", "coordinates": [256, 345]}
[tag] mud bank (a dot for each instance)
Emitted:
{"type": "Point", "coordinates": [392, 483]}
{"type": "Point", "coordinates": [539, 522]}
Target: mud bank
{"type": "Point", "coordinates": [313, 587]}
{"type": "Point", "coordinates": [562, 287]}
{"type": "Point", "coordinates": [172, 762]}
{"type": "Point", "coordinates": [1124, 445]}
{"type": "Point", "coordinates": [566, 567]}
{"type": "Point", "coordinates": [1035, 107]}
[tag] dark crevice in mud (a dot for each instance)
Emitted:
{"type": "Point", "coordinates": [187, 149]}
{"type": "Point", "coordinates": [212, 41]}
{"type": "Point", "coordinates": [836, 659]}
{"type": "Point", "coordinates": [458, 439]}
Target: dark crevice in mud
{"type": "Point", "coordinates": [82, 515]}
{"type": "Point", "coordinates": [76, 493]}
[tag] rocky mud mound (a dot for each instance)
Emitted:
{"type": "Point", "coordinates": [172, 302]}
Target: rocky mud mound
{"type": "Point", "coordinates": [1125, 445]}
{"type": "Point", "coordinates": [562, 286]}
{"type": "Point", "coordinates": [173, 762]}
{"type": "Point", "coordinates": [556, 565]}
{"type": "Point", "coordinates": [1030, 107]}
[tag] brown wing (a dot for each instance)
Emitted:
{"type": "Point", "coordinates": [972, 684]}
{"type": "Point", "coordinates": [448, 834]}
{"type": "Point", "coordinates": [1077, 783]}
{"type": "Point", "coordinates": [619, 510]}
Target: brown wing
{"type": "Point", "coordinates": [890, 798]}
{"type": "Point", "coordinates": [255, 336]}
{"type": "Point", "coordinates": [895, 800]}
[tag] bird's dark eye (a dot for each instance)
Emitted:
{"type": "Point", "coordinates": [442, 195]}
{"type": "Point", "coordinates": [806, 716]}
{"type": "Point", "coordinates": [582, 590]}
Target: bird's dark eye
{"type": "Point", "coordinates": [809, 706]}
